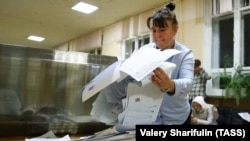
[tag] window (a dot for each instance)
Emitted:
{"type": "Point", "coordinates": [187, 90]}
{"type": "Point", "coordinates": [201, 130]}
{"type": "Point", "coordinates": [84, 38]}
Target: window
{"type": "Point", "coordinates": [244, 3]}
{"type": "Point", "coordinates": [129, 47]}
{"type": "Point", "coordinates": [134, 44]}
{"type": "Point", "coordinates": [246, 34]}
{"type": "Point", "coordinates": [97, 51]}
{"type": "Point", "coordinates": [143, 40]}
{"type": "Point", "coordinates": [230, 29]}
{"type": "Point", "coordinates": [222, 41]}
{"type": "Point", "coordinates": [227, 32]}
{"type": "Point", "coordinates": [222, 6]}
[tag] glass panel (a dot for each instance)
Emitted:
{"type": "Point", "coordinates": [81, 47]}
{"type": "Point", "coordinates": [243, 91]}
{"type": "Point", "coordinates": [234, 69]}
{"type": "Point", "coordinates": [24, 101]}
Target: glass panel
{"type": "Point", "coordinates": [217, 80]}
{"type": "Point", "coordinates": [244, 3]}
{"type": "Point", "coordinates": [246, 34]}
{"type": "Point", "coordinates": [222, 6]}
{"type": "Point", "coordinates": [96, 51]}
{"type": "Point", "coordinates": [222, 42]}
{"type": "Point", "coordinates": [40, 90]}
{"type": "Point", "coordinates": [144, 40]}
{"type": "Point", "coordinates": [129, 47]}
{"type": "Point", "coordinates": [134, 44]}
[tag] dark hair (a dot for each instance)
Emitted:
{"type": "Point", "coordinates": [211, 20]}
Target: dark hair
{"type": "Point", "coordinates": [159, 18]}
{"type": "Point", "coordinates": [197, 63]}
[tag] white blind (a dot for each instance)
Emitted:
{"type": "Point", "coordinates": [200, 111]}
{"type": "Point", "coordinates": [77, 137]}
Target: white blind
{"type": "Point", "coordinates": [130, 27]}
{"type": "Point", "coordinates": [226, 5]}
{"type": "Point", "coordinates": [90, 41]}
{"type": "Point", "coordinates": [221, 6]}
{"type": "Point", "coordinates": [142, 24]}
{"type": "Point", "coordinates": [112, 33]}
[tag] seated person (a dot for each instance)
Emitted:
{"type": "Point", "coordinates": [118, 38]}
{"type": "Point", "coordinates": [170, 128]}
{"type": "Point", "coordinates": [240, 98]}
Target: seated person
{"type": "Point", "coordinates": [203, 113]}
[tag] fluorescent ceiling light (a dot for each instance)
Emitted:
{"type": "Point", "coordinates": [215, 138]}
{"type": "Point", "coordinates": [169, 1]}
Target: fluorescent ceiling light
{"type": "Point", "coordinates": [35, 38]}
{"type": "Point", "coordinates": [84, 7]}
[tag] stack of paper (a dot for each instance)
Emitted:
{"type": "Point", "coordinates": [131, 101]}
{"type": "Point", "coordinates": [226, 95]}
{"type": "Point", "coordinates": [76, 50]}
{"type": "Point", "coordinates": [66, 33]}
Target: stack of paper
{"type": "Point", "coordinates": [143, 98]}
{"type": "Point", "coordinates": [115, 133]}
{"type": "Point", "coordinates": [140, 65]}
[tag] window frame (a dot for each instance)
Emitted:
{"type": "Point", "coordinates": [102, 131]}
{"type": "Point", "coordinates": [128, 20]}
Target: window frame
{"type": "Point", "coordinates": [136, 40]}
{"type": "Point", "coordinates": [238, 46]}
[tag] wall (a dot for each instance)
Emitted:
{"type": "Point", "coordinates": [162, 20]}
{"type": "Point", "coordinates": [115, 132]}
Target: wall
{"type": "Point", "coordinates": [190, 16]}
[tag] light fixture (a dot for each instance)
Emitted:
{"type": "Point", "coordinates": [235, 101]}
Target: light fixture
{"type": "Point", "coordinates": [36, 38]}
{"type": "Point", "coordinates": [84, 7]}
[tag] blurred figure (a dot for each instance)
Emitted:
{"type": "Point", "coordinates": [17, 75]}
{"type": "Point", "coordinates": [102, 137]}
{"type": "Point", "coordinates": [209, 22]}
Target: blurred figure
{"type": "Point", "coordinates": [9, 102]}
{"type": "Point", "coordinates": [199, 81]}
{"type": "Point", "coordinates": [203, 113]}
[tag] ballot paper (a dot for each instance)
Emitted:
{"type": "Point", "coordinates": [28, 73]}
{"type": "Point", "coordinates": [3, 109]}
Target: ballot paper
{"type": "Point", "coordinates": [109, 75]}
{"type": "Point", "coordinates": [166, 66]}
{"type": "Point", "coordinates": [140, 65]}
{"type": "Point", "coordinates": [143, 104]}
{"type": "Point", "coordinates": [144, 61]}
{"type": "Point", "coordinates": [49, 136]}
{"type": "Point", "coordinates": [104, 111]}
{"type": "Point", "coordinates": [143, 99]}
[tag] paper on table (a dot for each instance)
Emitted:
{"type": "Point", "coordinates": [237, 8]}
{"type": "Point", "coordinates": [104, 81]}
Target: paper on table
{"type": "Point", "coordinates": [245, 116]}
{"type": "Point", "coordinates": [49, 136]}
{"type": "Point", "coordinates": [145, 60]}
{"type": "Point", "coordinates": [115, 133]}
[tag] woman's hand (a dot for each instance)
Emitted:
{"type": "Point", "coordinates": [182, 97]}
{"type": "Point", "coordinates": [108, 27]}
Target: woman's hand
{"type": "Point", "coordinates": [193, 120]}
{"type": "Point", "coordinates": [162, 80]}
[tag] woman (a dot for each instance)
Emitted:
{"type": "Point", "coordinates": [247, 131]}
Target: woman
{"type": "Point", "coordinates": [175, 108]}
{"type": "Point", "coordinates": [203, 113]}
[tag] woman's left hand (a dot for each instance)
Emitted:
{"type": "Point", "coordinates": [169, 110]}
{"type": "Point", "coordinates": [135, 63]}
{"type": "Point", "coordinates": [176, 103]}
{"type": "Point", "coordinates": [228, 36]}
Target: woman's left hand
{"type": "Point", "coordinates": [161, 79]}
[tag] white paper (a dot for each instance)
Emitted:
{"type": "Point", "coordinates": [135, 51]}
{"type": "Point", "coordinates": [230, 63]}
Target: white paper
{"type": "Point", "coordinates": [143, 104]}
{"type": "Point", "coordinates": [49, 136]}
{"type": "Point", "coordinates": [166, 66]}
{"type": "Point", "coordinates": [245, 116]}
{"type": "Point", "coordinates": [115, 133]}
{"type": "Point", "coordinates": [145, 60]}
{"type": "Point", "coordinates": [139, 66]}
{"type": "Point", "coordinates": [126, 136]}
{"type": "Point", "coordinates": [109, 75]}
{"type": "Point", "coordinates": [105, 112]}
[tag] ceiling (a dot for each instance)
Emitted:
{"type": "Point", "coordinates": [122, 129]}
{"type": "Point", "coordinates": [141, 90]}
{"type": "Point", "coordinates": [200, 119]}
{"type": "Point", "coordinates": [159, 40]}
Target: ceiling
{"type": "Point", "coordinates": [54, 19]}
